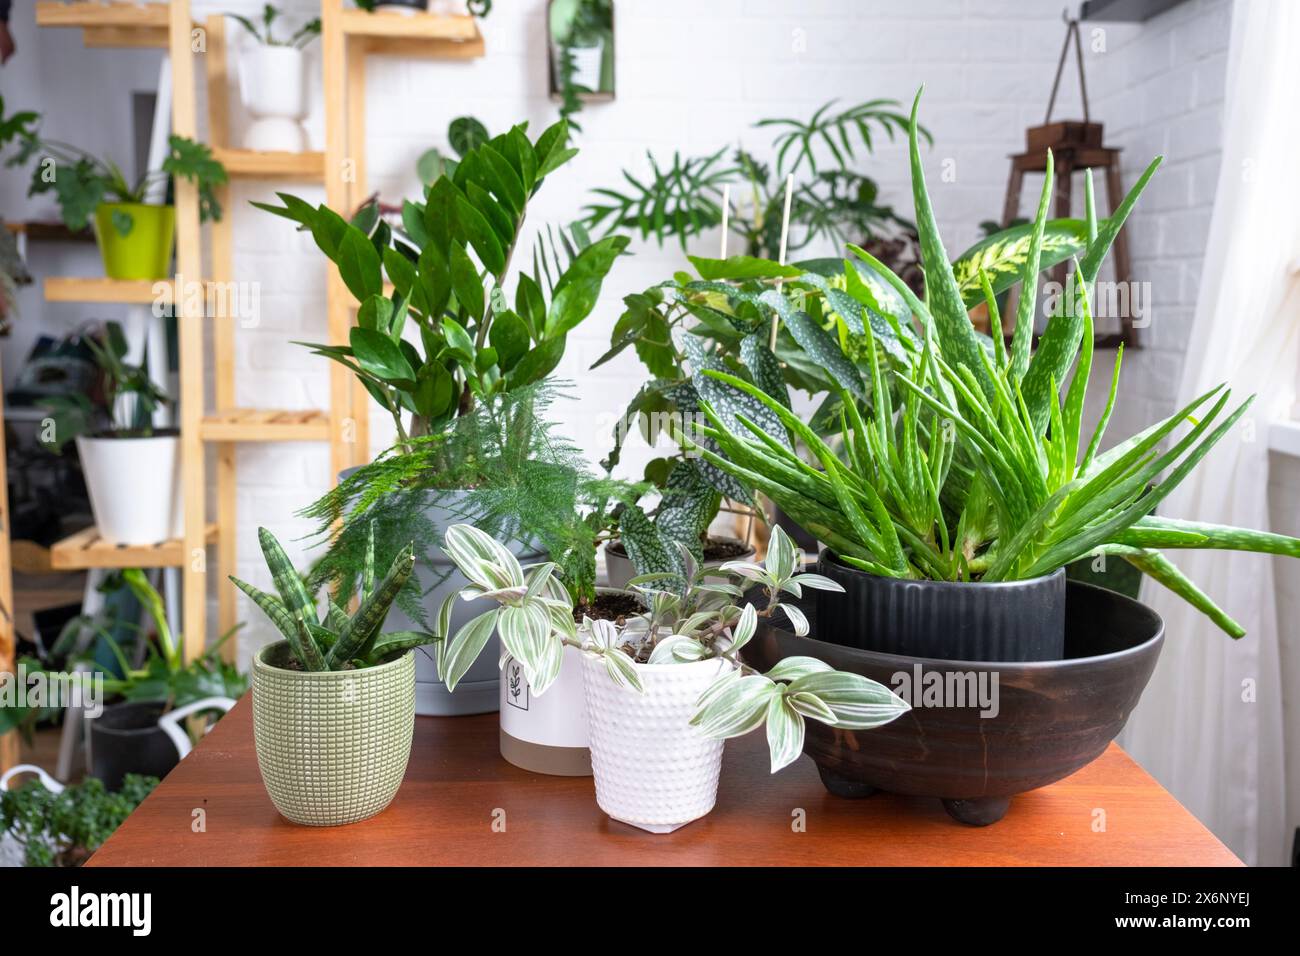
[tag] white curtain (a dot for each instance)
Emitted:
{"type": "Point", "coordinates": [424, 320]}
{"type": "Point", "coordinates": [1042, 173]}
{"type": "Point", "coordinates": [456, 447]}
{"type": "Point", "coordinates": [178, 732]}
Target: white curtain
{"type": "Point", "coordinates": [1210, 726]}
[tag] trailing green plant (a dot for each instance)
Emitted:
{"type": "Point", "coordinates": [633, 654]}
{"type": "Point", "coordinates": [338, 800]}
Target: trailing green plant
{"type": "Point", "coordinates": [683, 198]}
{"type": "Point", "coordinates": [337, 640]}
{"type": "Point", "coordinates": [64, 829]}
{"type": "Point", "coordinates": [265, 35]}
{"type": "Point", "coordinates": [695, 620]}
{"type": "Point", "coordinates": [961, 458]}
{"type": "Point", "coordinates": [124, 408]}
{"type": "Point", "coordinates": [472, 343]}
{"type": "Point", "coordinates": [82, 182]}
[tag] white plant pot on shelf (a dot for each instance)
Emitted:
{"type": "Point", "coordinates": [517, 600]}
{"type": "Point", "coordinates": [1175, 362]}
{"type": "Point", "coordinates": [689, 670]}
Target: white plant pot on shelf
{"type": "Point", "coordinates": [653, 769]}
{"type": "Point", "coordinates": [271, 85]}
{"type": "Point", "coordinates": [134, 487]}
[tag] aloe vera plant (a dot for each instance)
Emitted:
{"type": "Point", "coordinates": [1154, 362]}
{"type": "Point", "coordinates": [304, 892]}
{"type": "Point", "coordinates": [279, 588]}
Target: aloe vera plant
{"type": "Point", "coordinates": [695, 620]}
{"type": "Point", "coordinates": [960, 458]}
{"type": "Point", "coordinates": [339, 640]}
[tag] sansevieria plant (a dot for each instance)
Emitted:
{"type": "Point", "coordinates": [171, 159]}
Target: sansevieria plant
{"type": "Point", "coordinates": [955, 457]}
{"type": "Point", "coordinates": [334, 704]}
{"type": "Point", "coordinates": [339, 640]}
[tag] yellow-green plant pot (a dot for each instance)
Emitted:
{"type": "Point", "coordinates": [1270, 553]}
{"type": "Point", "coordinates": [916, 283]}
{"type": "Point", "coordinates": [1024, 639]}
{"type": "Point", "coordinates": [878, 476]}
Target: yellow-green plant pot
{"type": "Point", "coordinates": [332, 746]}
{"type": "Point", "coordinates": [135, 239]}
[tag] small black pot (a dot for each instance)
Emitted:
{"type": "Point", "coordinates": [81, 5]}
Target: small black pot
{"type": "Point", "coordinates": [948, 620]}
{"type": "Point", "coordinates": [1047, 719]}
{"type": "Point", "coordinates": [126, 738]}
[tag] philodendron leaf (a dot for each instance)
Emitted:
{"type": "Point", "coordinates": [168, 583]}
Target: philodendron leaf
{"type": "Point", "coordinates": [1003, 254]}
{"type": "Point", "coordinates": [742, 267]}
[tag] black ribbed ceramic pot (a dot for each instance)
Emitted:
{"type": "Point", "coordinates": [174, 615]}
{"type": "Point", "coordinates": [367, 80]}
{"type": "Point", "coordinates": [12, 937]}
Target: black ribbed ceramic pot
{"type": "Point", "coordinates": [1002, 621]}
{"type": "Point", "coordinates": [991, 729]}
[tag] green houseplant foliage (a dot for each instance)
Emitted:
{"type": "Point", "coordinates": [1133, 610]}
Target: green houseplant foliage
{"type": "Point", "coordinates": [130, 397]}
{"type": "Point", "coordinates": [961, 459]}
{"type": "Point", "coordinates": [334, 703]}
{"type": "Point", "coordinates": [474, 343]}
{"type": "Point", "coordinates": [64, 829]}
{"type": "Point", "coordinates": [692, 621]}
{"type": "Point", "coordinates": [263, 33]}
{"type": "Point", "coordinates": [830, 200]}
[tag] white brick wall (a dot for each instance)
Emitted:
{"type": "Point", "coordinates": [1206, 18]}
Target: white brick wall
{"type": "Point", "coordinates": [694, 76]}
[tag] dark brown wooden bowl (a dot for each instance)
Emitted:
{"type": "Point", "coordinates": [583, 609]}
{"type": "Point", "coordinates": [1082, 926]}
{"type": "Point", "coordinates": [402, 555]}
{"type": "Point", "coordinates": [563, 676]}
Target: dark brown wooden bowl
{"type": "Point", "coordinates": [1053, 717]}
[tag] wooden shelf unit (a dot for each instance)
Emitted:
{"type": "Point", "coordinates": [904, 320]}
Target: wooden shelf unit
{"type": "Point", "coordinates": [101, 289]}
{"type": "Point", "coordinates": [86, 549]}
{"type": "Point", "coordinates": [252, 425]}
{"type": "Point", "coordinates": [125, 25]}
{"type": "Point", "coordinates": [166, 25]}
{"type": "Point", "coordinates": [251, 164]}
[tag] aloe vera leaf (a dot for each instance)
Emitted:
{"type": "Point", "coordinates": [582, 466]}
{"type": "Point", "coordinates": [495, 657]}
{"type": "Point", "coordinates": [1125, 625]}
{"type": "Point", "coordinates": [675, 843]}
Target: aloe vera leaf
{"type": "Point", "coordinates": [1024, 331]}
{"type": "Point", "coordinates": [1095, 444]}
{"type": "Point", "coordinates": [995, 320]}
{"type": "Point", "coordinates": [1156, 566]}
{"type": "Point", "coordinates": [1224, 536]}
{"type": "Point", "coordinates": [812, 516]}
{"type": "Point", "coordinates": [1074, 545]}
{"type": "Point", "coordinates": [1078, 390]}
{"type": "Point", "coordinates": [952, 324]}
{"type": "Point", "coordinates": [1060, 342]}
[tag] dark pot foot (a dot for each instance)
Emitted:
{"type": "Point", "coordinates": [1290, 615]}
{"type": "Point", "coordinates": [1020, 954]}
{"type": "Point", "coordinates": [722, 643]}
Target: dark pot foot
{"type": "Point", "coordinates": [979, 812]}
{"type": "Point", "coordinates": [843, 787]}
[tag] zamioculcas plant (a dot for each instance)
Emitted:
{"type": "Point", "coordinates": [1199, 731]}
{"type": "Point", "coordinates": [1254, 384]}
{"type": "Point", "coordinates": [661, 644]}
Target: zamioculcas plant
{"type": "Point", "coordinates": [339, 640]}
{"type": "Point", "coordinates": [448, 264]}
{"type": "Point", "coordinates": [699, 621]}
{"type": "Point", "coordinates": [963, 459]}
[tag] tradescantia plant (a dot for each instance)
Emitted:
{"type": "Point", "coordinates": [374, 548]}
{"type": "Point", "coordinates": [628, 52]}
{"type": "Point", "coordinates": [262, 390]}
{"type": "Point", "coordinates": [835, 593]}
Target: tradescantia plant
{"type": "Point", "coordinates": [338, 641]}
{"type": "Point", "coordinates": [696, 620]}
{"type": "Point", "coordinates": [448, 265]}
{"type": "Point", "coordinates": [961, 459]}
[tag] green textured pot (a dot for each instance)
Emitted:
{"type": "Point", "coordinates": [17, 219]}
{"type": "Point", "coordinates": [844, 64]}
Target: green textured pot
{"type": "Point", "coordinates": [135, 239]}
{"type": "Point", "coordinates": [332, 746]}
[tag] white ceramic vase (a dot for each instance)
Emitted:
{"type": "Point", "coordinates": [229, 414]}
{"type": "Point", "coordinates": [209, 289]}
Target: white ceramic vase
{"type": "Point", "coordinates": [653, 769]}
{"type": "Point", "coordinates": [271, 85]}
{"type": "Point", "coordinates": [134, 487]}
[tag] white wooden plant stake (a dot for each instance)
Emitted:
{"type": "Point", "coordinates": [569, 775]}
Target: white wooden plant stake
{"type": "Point", "coordinates": [785, 235]}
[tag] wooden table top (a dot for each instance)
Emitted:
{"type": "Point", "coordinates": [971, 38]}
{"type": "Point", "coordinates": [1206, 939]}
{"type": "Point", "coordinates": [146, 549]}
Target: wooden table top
{"type": "Point", "coordinates": [457, 785]}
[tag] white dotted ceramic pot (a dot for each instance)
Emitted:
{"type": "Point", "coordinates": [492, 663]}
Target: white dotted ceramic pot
{"type": "Point", "coordinates": [653, 769]}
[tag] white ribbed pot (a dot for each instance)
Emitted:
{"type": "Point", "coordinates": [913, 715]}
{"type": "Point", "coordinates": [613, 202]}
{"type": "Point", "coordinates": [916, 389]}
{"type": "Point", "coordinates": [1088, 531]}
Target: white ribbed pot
{"type": "Point", "coordinates": [134, 487]}
{"type": "Point", "coordinates": [653, 769]}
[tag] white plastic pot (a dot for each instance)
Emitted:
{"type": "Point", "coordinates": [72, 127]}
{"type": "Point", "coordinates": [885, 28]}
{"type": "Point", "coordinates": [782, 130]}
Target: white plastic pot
{"type": "Point", "coordinates": [134, 487]}
{"type": "Point", "coordinates": [653, 769]}
{"type": "Point", "coordinates": [587, 61]}
{"type": "Point", "coordinates": [271, 85]}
